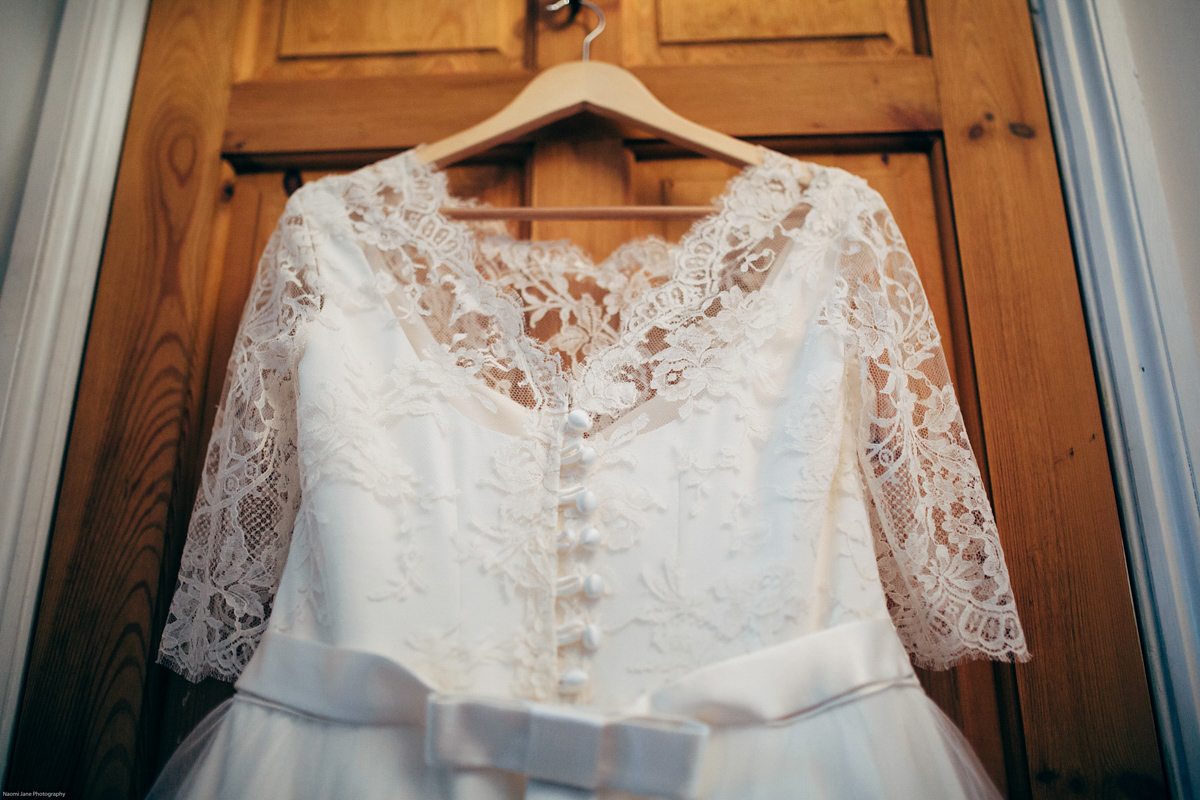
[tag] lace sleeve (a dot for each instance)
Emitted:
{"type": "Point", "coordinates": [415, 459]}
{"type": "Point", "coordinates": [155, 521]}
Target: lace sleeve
{"type": "Point", "coordinates": [936, 542]}
{"type": "Point", "coordinates": [249, 494]}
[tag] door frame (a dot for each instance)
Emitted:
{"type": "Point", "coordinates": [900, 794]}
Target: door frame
{"type": "Point", "coordinates": [1143, 345]}
{"type": "Point", "coordinates": [46, 300]}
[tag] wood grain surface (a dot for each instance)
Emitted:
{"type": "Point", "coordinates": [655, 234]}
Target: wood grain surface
{"type": "Point", "coordinates": [89, 718]}
{"type": "Point", "coordinates": [585, 168]}
{"type": "Point", "coordinates": [315, 39]}
{"type": "Point", "coordinates": [337, 28]}
{"type": "Point", "coordinates": [732, 20]}
{"type": "Point", "coordinates": [272, 117]}
{"type": "Point", "coordinates": [1085, 706]}
{"type": "Point", "coordinates": [747, 31]}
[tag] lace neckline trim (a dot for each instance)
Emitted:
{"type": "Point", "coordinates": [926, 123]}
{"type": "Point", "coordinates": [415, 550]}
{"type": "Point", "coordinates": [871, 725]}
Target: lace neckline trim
{"type": "Point", "coordinates": [752, 204]}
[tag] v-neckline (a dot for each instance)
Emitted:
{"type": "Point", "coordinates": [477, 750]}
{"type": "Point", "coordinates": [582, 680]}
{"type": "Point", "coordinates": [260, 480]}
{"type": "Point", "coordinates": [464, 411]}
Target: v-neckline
{"type": "Point", "coordinates": [692, 273]}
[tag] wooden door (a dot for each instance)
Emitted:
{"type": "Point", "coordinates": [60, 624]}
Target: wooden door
{"type": "Point", "coordinates": [937, 103]}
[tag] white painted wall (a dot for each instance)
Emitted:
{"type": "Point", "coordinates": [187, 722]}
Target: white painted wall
{"type": "Point", "coordinates": [28, 30]}
{"type": "Point", "coordinates": [1164, 36]}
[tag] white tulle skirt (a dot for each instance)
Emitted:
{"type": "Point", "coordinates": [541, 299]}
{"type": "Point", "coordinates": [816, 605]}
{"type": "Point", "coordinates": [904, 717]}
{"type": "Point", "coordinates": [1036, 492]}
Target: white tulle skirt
{"type": "Point", "coordinates": [890, 741]}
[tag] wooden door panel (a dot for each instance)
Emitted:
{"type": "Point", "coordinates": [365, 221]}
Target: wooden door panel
{"type": "Point", "coordinates": [275, 122]}
{"type": "Point", "coordinates": [685, 21]}
{"type": "Point", "coordinates": [748, 31]}
{"type": "Point", "coordinates": [305, 39]}
{"type": "Point", "coordinates": [312, 28]}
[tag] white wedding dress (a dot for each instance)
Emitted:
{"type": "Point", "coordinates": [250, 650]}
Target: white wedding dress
{"type": "Point", "coordinates": [482, 519]}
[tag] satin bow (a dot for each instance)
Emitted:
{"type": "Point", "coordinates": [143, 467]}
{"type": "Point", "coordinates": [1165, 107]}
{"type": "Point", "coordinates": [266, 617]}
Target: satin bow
{"type": "Point", "coordinates": [566, 752]}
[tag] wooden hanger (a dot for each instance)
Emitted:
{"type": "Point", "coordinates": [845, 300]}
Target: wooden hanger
{"type": "Point", "coordinates": [603, 89]}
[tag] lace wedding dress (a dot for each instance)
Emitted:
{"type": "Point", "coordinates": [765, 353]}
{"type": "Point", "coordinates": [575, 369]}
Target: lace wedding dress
{"type": "Point", "coordinates": [482, 519]}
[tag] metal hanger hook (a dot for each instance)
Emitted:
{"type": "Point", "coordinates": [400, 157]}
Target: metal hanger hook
{"type": "Point", "coordinates": [594, 32]}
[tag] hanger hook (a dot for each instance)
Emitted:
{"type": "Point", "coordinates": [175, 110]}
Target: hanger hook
{"type": "Point", "coordinates": [594, 32]}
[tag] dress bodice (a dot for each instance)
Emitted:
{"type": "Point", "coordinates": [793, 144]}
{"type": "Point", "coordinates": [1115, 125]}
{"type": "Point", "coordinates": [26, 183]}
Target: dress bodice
{"type": "Point", "coordinates": [522, 474]}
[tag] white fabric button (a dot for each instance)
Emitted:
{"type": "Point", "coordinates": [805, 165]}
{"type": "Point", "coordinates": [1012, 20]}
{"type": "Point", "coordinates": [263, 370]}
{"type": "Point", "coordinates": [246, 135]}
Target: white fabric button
{"type": "Point", "coordinates": [579, 421]}
{"type": "Point", "coordinates": [570, 632]}
{"type": "Point", "coordinates": [592, 637]}
{"type": "Point", "coordinates": [567, 539]}
{"type": "Point", "coordinates": [572, 681]}
{"type": "Point", "coordinates": [593, 586]}
{"type": "Point", "coordinates": [590, 538]}
{"type": "Point", "coordinates": [587, 501]}
{"type": "Point", "coordinates": [587, 456]}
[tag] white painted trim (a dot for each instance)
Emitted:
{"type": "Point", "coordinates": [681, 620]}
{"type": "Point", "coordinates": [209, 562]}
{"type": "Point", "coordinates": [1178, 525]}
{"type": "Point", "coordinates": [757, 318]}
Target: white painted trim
{"type": "Point", "coordinates": [47, 298]}
{"type": "Point", "coordinates": [1142, 341]}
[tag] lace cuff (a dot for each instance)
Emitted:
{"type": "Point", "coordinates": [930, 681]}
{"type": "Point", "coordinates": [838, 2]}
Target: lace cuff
{"type": "Point", "coordinates": [249, 494]}
{"type": "Point", "coordinates": [936, 542]}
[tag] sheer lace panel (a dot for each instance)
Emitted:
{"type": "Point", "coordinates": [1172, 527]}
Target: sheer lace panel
{"type": "Point", "coordinates": [938, 549]}
{"type": "Point", "coordinates": [571, 306]}
{"type": "Point", "coordinates": [249, 494]}
{"type": "Point", "coordinates": [696, 335]}
{"type": "Point", "coordinates": [542, 324]}
{"type": "Point", "coordinates": [430, 271]}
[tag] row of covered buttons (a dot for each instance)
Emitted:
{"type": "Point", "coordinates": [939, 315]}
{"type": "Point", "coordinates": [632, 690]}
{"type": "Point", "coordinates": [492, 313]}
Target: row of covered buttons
{"type": "Point", "coordinates": [578, 455]}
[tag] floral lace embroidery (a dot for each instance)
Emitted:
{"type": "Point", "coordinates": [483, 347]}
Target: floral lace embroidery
{"type": "Point", "coordinates": [555, 282]}
{"type": "Point", "coordinates": [938, 549]}
{"type": "Point", "coordinates": [700, 473]}
{"type": "Point", "coordinates": [249, 495]}
{"type": "Point", "coordinates": [517, 546]}
{"type": "Point", "coordinates": [307, 560]}
{"type": "Point", "coordinates": [447, 662]}
{"type": "Point", "coordinates": [743, 611]}
{"type": "Point", "coordinates": [813, 432]}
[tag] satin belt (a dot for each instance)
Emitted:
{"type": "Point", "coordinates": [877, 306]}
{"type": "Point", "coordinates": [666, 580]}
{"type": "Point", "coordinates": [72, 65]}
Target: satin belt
{"type": "Point", "coordinates": [652, 747]}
